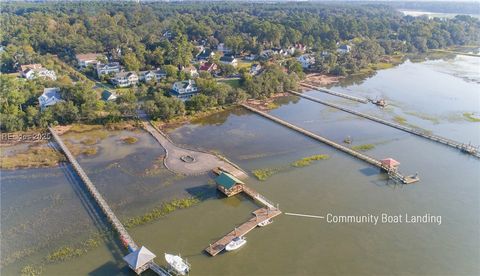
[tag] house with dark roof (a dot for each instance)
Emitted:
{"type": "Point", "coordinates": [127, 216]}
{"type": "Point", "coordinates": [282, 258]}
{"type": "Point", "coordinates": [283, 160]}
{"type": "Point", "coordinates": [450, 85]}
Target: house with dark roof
{"type": "Point", "coordinates": [344, 48]}
{"type": "Point", "coordinates": [184, 90]}
{"type": "Point", "coordinates": [109, 68]}
{"type": "Point", "coordinates": [229, 59]}
{"type": "Point", "coordinates": [205, 54]}
{"type": "Point", "coordinates": [229, 184]}
{"type": "Point", "coordinates": [108, 96]}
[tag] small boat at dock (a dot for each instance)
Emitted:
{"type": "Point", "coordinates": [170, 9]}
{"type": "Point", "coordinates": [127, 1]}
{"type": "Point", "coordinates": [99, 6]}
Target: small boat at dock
{"type": "Point", "coordinates": [236, 243]}
{"type": "Point", "coordinates": [177, 264]}
{"type": "Point", "coordinates": [265, 222]}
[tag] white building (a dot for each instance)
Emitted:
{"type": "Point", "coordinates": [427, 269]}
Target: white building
{"type": "Point", "coordinates": [147, 76]}
{"type": "Point", "coordinates": [50, 96]}
{"type": "Point", "coordinates": [222, 48]}
{"type": "Point", "coordinates": [125, 79]}
{"type": "Point", "coordinates": [109, 68]}
{"type": "Point", "coordinates": [344, 48]}
{"type": "Point", "coordinates": [191, 71]}
{"type": "Point", "coordinates": [229, 60]}
{"type": "Point", "coordinates": [306, 60]}
{"type": "Point", "coordinates": [84, 60]}
{"type": "Point", "coordinates": [184, 89]}
{"type": "Point", "coordinates": [33, 71]}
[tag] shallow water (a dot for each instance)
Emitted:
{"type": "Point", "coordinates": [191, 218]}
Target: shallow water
{"type": "Point", "coordinates": [132, 181]}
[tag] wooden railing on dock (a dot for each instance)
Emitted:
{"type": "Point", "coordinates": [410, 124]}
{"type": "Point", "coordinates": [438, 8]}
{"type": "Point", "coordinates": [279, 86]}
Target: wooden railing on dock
{"type": "Point", "coordinates": [393, 174]}
{"type": "Point", "coordinates": [117, 225]}
{"type": "Point", "coordinates": [331, 92]}
{"type": "Point", "coordinates": [461, 146]}
{"type": "Point", "coordinates": [260, 215]}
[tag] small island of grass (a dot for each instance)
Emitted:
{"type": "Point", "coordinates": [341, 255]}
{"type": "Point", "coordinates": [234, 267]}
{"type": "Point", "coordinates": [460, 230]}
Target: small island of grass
{"type": "Point", "coordinates": [469, 116]}
{"type": "Point", "coordinates": [364, 147]}
{"type": "Point", "coordinates": [130, 140]}
{"type": "Point", "coordinates": [263, 174]}
{"type": "Point", "coordinates": [34, 157]}
{"type": "Point", "coordinates": [306, 161]}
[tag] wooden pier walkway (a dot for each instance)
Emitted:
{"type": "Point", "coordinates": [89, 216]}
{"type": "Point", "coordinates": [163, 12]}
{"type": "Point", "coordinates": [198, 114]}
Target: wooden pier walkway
{"type": "Point", "coordinates": [260, 215]}
{"type": "Point", "coordinates": [117, 225]}
{"type": "Point", "coordinates": [392, 174]}
{"type": "Point", "coordinates": [338, 94]}
{"type": "Point", "coordinates": [461, 146]}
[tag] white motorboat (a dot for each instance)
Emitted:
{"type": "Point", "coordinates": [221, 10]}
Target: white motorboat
{"type": "Point", "coordinates": [236, 243]}
{"type": "Point", "coordinates": [180, 266]}
{"type": "Point", "coordinates": [265, 222]}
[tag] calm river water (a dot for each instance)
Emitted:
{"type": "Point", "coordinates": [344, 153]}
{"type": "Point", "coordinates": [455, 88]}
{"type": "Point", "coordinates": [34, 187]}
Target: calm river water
{"type": "Point", "coordinates": [43, 209]}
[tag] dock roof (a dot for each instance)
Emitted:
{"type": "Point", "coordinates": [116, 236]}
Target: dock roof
{"type": "Point", "coordinates": [139, 258]}
{"type": "Point", "coordinates": [227, 180]}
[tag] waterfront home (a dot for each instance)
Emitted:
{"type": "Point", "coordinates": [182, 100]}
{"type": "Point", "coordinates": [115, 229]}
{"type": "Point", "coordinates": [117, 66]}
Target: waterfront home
{"type": "Point", "coordinates": [107, 69]}
{"type": "Point", "coordinates": [84, 60]}
{"type": "Point", "coordinates": [306, 60]}
{"type": "Point", "coordinates": [125, 79]}
{"type": "Point", "coordinates": [344, 48]}
{"type": "Point", "coordinates": [108, 96]}
{"type": "Point", "coordinates": [184, 89]}
{"type": "Point", "coordinates": [229, 59]}
{"type": "Point", "coordinates": [49, 97]}
{"type": "Point", "coordinates": [208, 67]}
{"type": "Point", "coordinates": [147, 76]}
{"type": "Point", "coordinates": [229, 184]}
{"type": "Point", "coordinates": [206, 54]}
{"type": "Point", "coordinates": [255, 69]}
{"type": "Point", "coordinates": [33, 71]}
{"type": "Point", "coordinates": [140, 259]}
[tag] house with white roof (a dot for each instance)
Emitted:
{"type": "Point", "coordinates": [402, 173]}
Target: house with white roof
{"type": "Point", "coordinates": [125, 79]}
{"type": "Point", "coordinates": [34, 71]}
{"type": "Point", "coordinates": [306, 60]}
{"type": "Point", "coordinates": [107, 69]}
{"type": "Point", "coordinates": [147, 76]}
{"type": "Point", "coordinates": [184, 89]}
{"type": "Point", "coordinates": [49, 97]}
{"type": "Point", "coordinates": [83, 60]}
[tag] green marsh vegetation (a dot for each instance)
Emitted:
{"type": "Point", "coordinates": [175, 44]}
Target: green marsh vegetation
{"type": "Point", "coordinates": [34, 157]}
{"type": "Point", "coordinates": [307, 161]}
{"type": "Point", "coordinates": [130, 140]}
{"type": "Point", "coordinates": [364, 147]}
{"type": "Point", "coordinates": [469, 116]}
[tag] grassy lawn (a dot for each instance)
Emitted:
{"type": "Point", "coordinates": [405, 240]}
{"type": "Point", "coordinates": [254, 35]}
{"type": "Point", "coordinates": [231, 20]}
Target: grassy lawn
{"type": "Point", "coordinates": [244, 64]}
{"type": "Point", "coordinates": [235, 83]}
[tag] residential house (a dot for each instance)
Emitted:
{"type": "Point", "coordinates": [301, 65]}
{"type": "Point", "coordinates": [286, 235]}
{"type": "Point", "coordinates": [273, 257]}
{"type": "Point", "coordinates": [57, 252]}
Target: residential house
{"type": "Point", "coordinates": [250, 57]}
{"type": "Point", "coordinates": [84, 60]}
{"type": "Point", "coordinates": [33, 71]}
{"type": "Point", "coordinates": [208, 67]}
{"type": "Point", "coordinates": [255, 69]}
{"type": "Point", "coordinates": [306, 60]}
{"type": "Point", "coordinates": [107, 69]}
{"type": "Point", "coordinates": [228, 59]}
{"type": "Point", "coordinates": [108, 96]}
{"type": "Point", "coordinates": [156, 75]}
{"type": "Point", "coordinates": [125, 79]}
{"type": "Point", "coordinates": [191, 71]}
{"type": "Point", "coordinates": [265, 54]}
{"type": "Point", "coordinates": [49, 97]}
{"type": "Point", "coordinates": [344, 48]}
{"type": "Point", "coordinates": [206, 54]}
{"type": "Point", "coordinates": [184, 89]}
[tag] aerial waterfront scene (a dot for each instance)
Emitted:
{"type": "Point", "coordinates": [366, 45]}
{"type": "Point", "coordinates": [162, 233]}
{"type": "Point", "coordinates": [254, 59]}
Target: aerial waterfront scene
{"type": "Point", "coordinates": [239, 138]}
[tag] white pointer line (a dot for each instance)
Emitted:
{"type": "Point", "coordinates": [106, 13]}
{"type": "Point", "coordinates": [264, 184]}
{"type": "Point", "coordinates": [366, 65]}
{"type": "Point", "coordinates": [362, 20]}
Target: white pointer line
{"type": "Point", "coordinates": [302, 215]}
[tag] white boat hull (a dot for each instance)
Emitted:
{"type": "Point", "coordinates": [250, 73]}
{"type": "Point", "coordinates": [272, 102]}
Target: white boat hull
{"type": "Point", "coordinates": [235, 245]}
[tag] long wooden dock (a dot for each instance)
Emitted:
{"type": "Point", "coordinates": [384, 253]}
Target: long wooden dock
{"type": "Point", "coordinates": [260, 215]}
{"type": "Point", "coordinates": [461, 146]}
{"type": "Point", "coordinates": [334, 93]}
{"type": "Point", "coordinates": [117, 225]}
{"type": "Point", "coordinates": [393, 174]}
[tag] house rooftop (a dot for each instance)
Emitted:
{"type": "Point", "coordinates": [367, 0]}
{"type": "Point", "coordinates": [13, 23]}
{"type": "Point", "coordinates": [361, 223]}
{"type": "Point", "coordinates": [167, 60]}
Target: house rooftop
{"type": "Point", "coordinates": [227, 58]}
{"type": "Point", "coordinates": [227, 180]}
{"type": "Point", "coordinates": [87, 56]}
